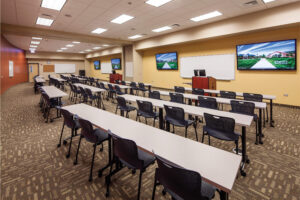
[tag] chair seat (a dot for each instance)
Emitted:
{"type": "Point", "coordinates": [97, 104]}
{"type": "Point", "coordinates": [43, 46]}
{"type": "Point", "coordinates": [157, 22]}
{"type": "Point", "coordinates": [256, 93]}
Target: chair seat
{"type": "Point", "coordinates": [143, 89]}
{"type": "Point", "coordinates": [179, 123]}
{"type": "Point", "coordinates": [221, 135]}
{"type": "Point", "coordinates": [146, 157]}
{"type": "Point", "coordinates": [101, 136]}
{"type": "Point", "coordinates": [147, 115]}
{"type": "Point", "coordinates": [127, 108]}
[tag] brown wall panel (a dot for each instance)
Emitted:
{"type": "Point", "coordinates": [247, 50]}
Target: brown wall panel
{"type": "Point", "coordinates": [10, 52]}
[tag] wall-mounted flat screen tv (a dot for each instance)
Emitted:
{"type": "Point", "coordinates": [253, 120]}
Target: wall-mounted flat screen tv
{"type": "Point", "coordinates": [276, 55]}
{"type": "Point", "coordinates": [97, 64]}
{"type": "Point", "coordinates": [116, 63]}
{"type": "Point", "coordinates": [167, 61]}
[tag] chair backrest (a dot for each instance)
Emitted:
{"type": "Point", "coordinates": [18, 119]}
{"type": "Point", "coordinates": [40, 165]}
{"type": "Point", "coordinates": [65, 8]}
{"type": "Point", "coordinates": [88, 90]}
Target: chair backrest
{"type": "Point", "coordinates": [142, 85]}
{"type": "Point", "coordinates": [121, 101]}
{"type": "Point", "coordinates": [227, 94]}
{"type": "Point", "coordinates": [123, 83]}
{"type": "Point", "coordinates": [176, 97]}
{"type": "Point", "coordinates": [198, 91]}
{"type": "Point", "coordinates": [208, 102]}
{"type": "Point", "coordinates": [145, 106]}
{"type": "Point", "coordinates": [82, 91]}
{"type": "Point", "coordinates": [87, 130]}
{"type": "Point", "coordinates": [98, 85]}
{"type": "Point", "coordinates": [88, 91]}
{"type": "Point", "coordinates": [242, 107]}
{"type": "Point", "coordinates": [154, 94]}
{"type": "Point", "coordinates": [223, 124]}
{"type": "Point", "coordinates": [68, 118]}
{"type": "Point", "coordinates": [175, 113]}
{"type": "Point", "coordinates": [118, 89]}
{"type": "Point", "coordinates": [133, 84]}
{"type": "Point", "coordinates": [102, 85]}
{"type": "Point", "coordinates": [179, 89]}
{"type": "Point", "coordinates": [253, 97]}
{"type": "Point", "coordinates": [126, 151]}
{"type": "Point", "coordinates": [117, 81]}
{"type": "Point", "coordinates": [182, 182]}
{"type": "Point", "coordinates": [110, 87]}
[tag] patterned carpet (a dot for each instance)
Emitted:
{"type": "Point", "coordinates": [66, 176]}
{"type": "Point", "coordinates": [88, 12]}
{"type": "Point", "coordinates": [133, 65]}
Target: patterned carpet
{"type": "Point", "coordinates": [32, 167]}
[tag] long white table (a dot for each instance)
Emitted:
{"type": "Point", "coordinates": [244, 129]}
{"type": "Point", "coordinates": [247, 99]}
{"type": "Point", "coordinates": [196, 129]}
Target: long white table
{"type": "Point", "coordinates": [146, 84]}
{"type": "Point", "coordinates": [58, 79]}
{"type": "Point", "coordinates": [216, 166]}
{"type": "Point", "coordinates": [258, 105]}
{"type": "Point", "coordinates": [39, 79]}
{"type": "Point", "coordinates": [240, 119]}
{"type": "Point", "coordinates": [53, 92]}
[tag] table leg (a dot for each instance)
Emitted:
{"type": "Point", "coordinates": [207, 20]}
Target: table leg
{"type": "Point", "coordinates": [260, 126]}
{"type": "Point", "coordinates": [149, 88]}
{"type": "Point", "coordinates": [100, 171]}
{"type": "Point", "coordinates": [131, 91]}
{"type": "Point", "coordinates": [122, 113]}
{"type": "Point", "coordinates": [190, 103]}
{"type": "Point", "coordinates": [224, 195]}
{"type": "Point", "coordinates": [161, 118]}
{"type": "Point", "coordinates": [271, 113]}
{"type": "Point", "coordinates": [244, 152]}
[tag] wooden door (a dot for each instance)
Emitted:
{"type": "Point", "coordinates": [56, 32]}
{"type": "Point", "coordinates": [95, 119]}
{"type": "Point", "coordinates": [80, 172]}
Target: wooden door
{"type": "Point", "coordinates": [33, 69]}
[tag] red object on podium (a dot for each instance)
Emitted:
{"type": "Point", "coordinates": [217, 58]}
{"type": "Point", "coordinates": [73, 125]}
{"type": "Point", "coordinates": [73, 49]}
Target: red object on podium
{"type": "Point", "coordinates": [204, 82]}
{"type": "Point", "coordinates": [114, 77]}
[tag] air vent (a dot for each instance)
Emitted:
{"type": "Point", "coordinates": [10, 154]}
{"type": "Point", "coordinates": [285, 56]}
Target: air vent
{"type": "Point", "coordinates": [46, 15]}
{"type": "Point", "coordinates": [251, 3]}
{"type": "Point", "coordinates": [68, 15]}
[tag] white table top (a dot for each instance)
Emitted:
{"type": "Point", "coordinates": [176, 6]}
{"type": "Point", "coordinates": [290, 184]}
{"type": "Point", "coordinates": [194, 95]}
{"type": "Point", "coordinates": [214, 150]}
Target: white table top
{"type": "Point", "coordinates": [93, 89]}
{"type": "Point", "coordinates": [216, 166]}
{"type": "Point", "coordinates": [265, 96]}
{"type": "Point", "coordinates": [39, 79]}
{"type": "Point", "coordinates": [259, 105]}
{"type": "Point", "coordinates": [121, 86]}
{"type": "Point", "coordinates": [146, 84]}
{"type": "Point", "coordinates": [240, 119]}
{"type": "Point", "coordinates": [53, 92]}
{"type": "Point", "coordinates": [59, 79]}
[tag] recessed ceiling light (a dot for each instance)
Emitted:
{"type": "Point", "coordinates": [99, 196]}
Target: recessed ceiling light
{"type": "Point", "coordinates": [121, 19]}
{"type": "Point", "coordinates": [81, 52]}
{"type": "Point", "coordinates": [268, 1]}
{"type": "Point", "coordinates": [76, 42]}
{"type": "Point", "coordinates": [88, 50]}
{"type": "Point", "coordinates": [33, 46]}
{"type": "Point", "coordinates": [99, 30]}
{"type": "Point", "coordinates": [70, 45]}
{"type": "Point", "coordinates": [59, 50]}
{"type": "Point", "coordinates": [53, 4]}
{"type": "Point", "coordinates": [37, 38]}
{"type": "Point", "coordinates": [64, 48]}
{"type": "Point", "coordinates": [44, 21]}
{"type": "Point", "coordinates": [135, 36]}
{"type": "Point", "coordinates": [162, 29]}
{"type": "Point", "coordinates": [97, 48]}
{"type": "Point", "coordinates": [157, 3]}
{"type": "Point", "coordinates": [35, 42]}
{"type": "Point", "coordinates": [106, 45]}
{"type": "Point", "coordinates": [206, 16]}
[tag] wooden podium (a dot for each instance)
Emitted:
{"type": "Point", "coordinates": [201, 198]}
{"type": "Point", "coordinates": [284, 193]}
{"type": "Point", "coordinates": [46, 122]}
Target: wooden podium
{"type": "Point", "coordinates": [114, 77]}
{"type": "Point", "coordinates": [202, 82]}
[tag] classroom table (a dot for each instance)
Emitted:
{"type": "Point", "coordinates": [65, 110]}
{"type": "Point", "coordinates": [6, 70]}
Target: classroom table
{"type": "Point", "coordinates": [259, 105]}
{"type": "Point", "coordinates": [240, 94]}
{"type": "Point", "coordinates": [39, 79]}
{"type": "Point", "coordinates": [216, 166]}
{"type": "Point", "coordinates": [137, 83]}
{"type": "Point", "coordinates": [240, 119]}
{"type": "Point", "coordinates": [124, 87]}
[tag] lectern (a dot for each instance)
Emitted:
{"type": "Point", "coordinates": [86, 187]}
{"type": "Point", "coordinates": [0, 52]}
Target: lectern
{"type": "Point", "coordinates": [204, 82]}
{"type": "Point", "coordinates": [114, 77]}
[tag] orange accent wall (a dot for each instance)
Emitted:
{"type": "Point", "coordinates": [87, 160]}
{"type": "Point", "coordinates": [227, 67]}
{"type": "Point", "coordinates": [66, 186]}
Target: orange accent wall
{"type": "Point", "coordinates": [10, 52]}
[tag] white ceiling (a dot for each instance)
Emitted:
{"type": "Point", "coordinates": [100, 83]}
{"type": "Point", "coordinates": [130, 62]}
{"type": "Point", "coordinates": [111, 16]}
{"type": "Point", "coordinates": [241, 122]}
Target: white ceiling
{"type": "Point", "coordinates": [88, 15]}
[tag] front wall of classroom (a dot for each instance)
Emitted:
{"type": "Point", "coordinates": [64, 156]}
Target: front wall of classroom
{"type": "Point", "coordinates": [266, 82]}
{"type": "Point", "coordinates": [106, 59]}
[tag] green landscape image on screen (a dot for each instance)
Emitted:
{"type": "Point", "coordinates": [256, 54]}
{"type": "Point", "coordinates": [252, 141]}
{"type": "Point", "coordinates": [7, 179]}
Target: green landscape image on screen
{"type": "Point", "coordinates": [166, 61]}
{"type": "Point", "coordinates": [268, 55]}
{"type": "Point", "coordinates": [116, 63]}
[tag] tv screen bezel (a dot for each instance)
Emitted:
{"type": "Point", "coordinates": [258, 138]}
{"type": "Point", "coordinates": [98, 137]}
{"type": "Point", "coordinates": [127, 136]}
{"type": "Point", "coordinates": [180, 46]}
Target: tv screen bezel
{"type": "Point", "coordinates": [99, 64]}
{"type": "Point", "coordinates": [237, 66]}
{"type": "Point", "coordinates": [167, 53]}
{"type": "Point", "coordinates": [116, 59]}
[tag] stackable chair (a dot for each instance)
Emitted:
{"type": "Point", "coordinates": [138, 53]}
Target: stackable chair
{"type": "Point", "coordinates": [179, 89]}
{"type": "Point", "coordinates": [118, 90]}
{"type": "Point", "coordinates": [123, 107]}
{"type": "Point", "coordinates": [142, 88]}
{"type": "Point", "coordinates": [134, 88]}
{"type": "Point", "coordinates": [176, 97]}
{"type": "Point", "coordinates": [154, 95]}
{"type": "Point", "coordinates": [145, 109]}
{"type": "Point", "coordinates": [257, 98]}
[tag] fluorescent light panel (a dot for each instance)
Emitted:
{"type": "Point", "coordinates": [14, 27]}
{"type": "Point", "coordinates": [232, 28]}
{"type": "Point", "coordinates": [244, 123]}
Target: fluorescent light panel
{"type": "Point", "coordinates": [37, 38]}
{"type": "Point", "coordinates": [64, 48]}
{"type": "Point", "coordinates": [76, 42]}
{"type": "Point", "coordinates": [157, 3]}
{"type": "Point", "coordinates": [81, 52]}
{"type": "Point", "coordinates": [99, 30]}
{"type": "Point", "coordinates": [88, 50]}
{"type": "Point", "coordinates": [162, 29]}
{"type": "Point", "coordinates": [268, 1]}
{"type": "Point", "coordinates": [106, 45]}
{"type": "Point", "coordinates": [121, 19]}
{"type": "Point", "coordinates": [44, 21]}
{"type": "Point", "coordinates": [53, 4]}
{"type": "Point", "coordinates": [33, 46]}
{"type": "Point", "coordinates": [97, 48]}
{"type": "Point", "coordinates": [206, 16]}
{"type": "Point", "coordinates": [70, 45]}
{"type": "Point", "coordinates": [135, 36]}
{"type": "Point", "coordinates": [35, 42]}
{"type": "Point", "coordinates": [59, 50]}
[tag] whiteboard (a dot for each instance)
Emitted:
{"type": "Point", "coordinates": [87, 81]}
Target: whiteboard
{"type": "Point", "coordinates": [129, 69]}
{"type": "Point", "coordinates": [106, 68]}
{"type": "Point", "coordinates": [221, 67]}
{"type": "Point", "coordinates": [65, 68]}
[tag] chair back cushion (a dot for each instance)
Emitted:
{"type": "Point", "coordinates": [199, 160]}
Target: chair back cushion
{"type": "Point", "coordinates": [228, 94]}
{"type": "Point", "coordinates": [242, 107]}
{"type": "Point", "coordinates": [222, 124]}
{"type": "Point", "coordinates": [207, 102]}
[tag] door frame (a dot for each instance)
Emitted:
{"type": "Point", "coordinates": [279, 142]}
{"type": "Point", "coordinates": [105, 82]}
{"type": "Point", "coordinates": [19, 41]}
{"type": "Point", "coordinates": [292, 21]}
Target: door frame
{"type": "Point", "coordinates": [28, 64]}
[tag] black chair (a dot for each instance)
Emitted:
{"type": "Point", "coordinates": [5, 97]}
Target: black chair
{"type": "Point", "coordinates": [118, 90]}
{"type": "Point", "coordinates": [175, 116]}
{"type": "Point", "coordinates": [145, 109]}
{"type": "Point", "coordinates": [94, 136]}
{"type": "Point", "coordinates": [221, 128]}
{"type": "Point", "coordinates": [84, 96]}
{"type": "Point", "coordinates": [134, 88]}
{"type": "Point", "coordinates": [71, 123]}
{"type": "Point", "coordinates": [117, 82]}
{"type": "Point", "coordinates": [176, 97]}
{"type": "Point", "coordinates": [123, 82]}
{"type": "Point", "coordinates": [102, 86]}
{"type": "Point", "coordinates": [197, 91]}
{"type": "Point", "coordinates": [154, 95]}
{"type": "Point", "coordinates": [126, 153]}
{"type": "Point", "coordinates": [181, 183]}
{"type": "Point", "coordinates": [123, 106]}
{"type": "Point", "coordinates": [77, 93]}
{"type": "Point", "coordinates": [207, 102]}
{"type": "Point", "coordinates": [49, 104]}
{"type": "Point", "coordinates": [142, 88]}
{"type": "Point", "coordinates": [179, 89]}
{"type": "Point", "coordinates": [228, 94]}
{"type": "Point", "coordinates": [92, 97]}
{"type": "Point", "coordinates": [247, 108]}
{"type": "Point", "coordinates": [111, 91]}
{"type": "Point", "coordinates": [257, 98]}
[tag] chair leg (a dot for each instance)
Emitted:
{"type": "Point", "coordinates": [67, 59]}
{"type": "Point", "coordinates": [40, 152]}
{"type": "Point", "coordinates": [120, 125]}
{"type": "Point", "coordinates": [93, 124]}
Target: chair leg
{"type": "Point", "coordinates": [185, 133]}
{"type": "Point", "coordinates": [127, 114]}
{"type": "Point", "coordinates": [208, 140]}
{"type": "Point", "coordinates": [153, 122]}
{"type": "Point", "coordinates": [62, 130]}
{"type": "Point", "coordinates": [146, 120]}
{"type": "Point", "coordinates": [195, 127]}
{"type": "Point", "coordinates": [76, 159]}
{"type": "Point", "coordinates": [202, 136]}
{"type": "Point", "coordinates": [153, 191]}
{"type": "Point", "coordinates": [91, 172]}
{"type": "Point", "coordinates": [69, 152]}
{"type": "Point", "coordinates": [116, 110]}
{"type": "Point", "coordinates": [173, 128]}
{"type": "Point", "coordinates": [140, 183]}
{"type": "Point", "coordinates": [136, 117]}
{"type": "Point", "coordinates": [237, 146]}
